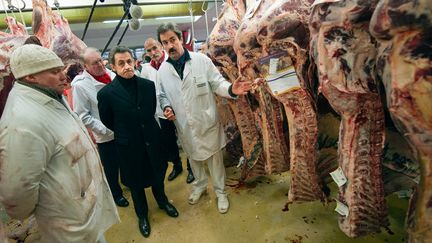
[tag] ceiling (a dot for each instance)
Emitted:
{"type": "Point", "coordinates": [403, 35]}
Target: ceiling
{"type": "Point", "coordinates": [106, 15]}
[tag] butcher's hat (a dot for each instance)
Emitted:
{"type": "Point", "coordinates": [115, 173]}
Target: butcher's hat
{"type": "Point", "coordinates": [32, 59]}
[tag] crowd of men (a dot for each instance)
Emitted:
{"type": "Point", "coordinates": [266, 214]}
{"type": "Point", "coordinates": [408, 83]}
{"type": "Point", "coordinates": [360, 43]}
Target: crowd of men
{"type": "Point", "coordinates": [61, 159]}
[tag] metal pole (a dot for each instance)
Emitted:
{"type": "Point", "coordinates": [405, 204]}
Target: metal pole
{"type": "Point", "coordinates": [124, 32]}
{"type": "Point", "coordinates": [116, 29]}
{"type": "Point", "coordinates": [88, 20]}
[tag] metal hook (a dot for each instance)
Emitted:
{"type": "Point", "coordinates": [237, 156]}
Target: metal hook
{"type": "Point", "coordinates": [57, 5]}
{"type": "Point", "coordinates": [202, 7]}
{"type": "Point", "coordinates": [13, 7]}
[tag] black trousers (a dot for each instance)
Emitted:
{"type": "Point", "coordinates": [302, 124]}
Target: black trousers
{"type": "Point", "coordinates": [170, 137]}
{"type": "Point", "coordinates": [109, 158]}
{"type": "Point", "coordinates": [170, 141]}
{"type": "Point", "coordinates": [140, 200]}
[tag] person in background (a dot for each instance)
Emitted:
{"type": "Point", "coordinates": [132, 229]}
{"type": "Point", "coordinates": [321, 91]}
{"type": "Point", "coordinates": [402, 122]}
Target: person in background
{"type": "Point", "coordinates": [33, 40]}
{"type": "Point", "coordinates": [50, 167]}
{"type": "Point", "coordinates": [187, 82]}
{"type": "Point", "coordinates": [127, 106]}
{"type": "Point", "coordinates": [71, 71]}
{"type": "Point", "coordinates": [84, 90]}
{"type": "Point", "coordinates": [149, 71]}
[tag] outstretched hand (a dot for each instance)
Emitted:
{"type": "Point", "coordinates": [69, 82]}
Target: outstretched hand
{"type": "Point", "coordinates": [241, 86]}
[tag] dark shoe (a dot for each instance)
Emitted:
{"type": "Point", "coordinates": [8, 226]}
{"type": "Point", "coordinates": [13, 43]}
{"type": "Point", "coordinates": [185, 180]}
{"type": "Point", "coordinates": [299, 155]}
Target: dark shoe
{"type": "Point", "coordinates": [190, 177]}
{"type": "Point", "coordinates": [170, 210]}
{"type": "Point", "coordinates": [174, 173]}
{"type": "Point", "coordinates": [144, 227]}
{"type": "Point", "coordinates": [121, 202]}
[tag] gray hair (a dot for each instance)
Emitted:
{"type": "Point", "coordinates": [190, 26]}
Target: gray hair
{"type": "Point", "coordinates": [165, 27]}
{"type": "Point", "coordinates": [118, 49]}
{"type": "Point", "coordinates": [84, 53]}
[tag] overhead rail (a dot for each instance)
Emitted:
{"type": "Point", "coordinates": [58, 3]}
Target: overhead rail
{"type": "Point", "coordinates": [89, 18]}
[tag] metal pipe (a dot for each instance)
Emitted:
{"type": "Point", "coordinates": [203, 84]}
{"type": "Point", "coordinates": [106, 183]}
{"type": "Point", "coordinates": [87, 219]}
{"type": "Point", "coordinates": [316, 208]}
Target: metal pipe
{"type": "Point", "coordinates": [124, 32]}
{"type": "Point", "coordinates": [88, 20]}
{"type": "Point", "coordinates": [116, 29]}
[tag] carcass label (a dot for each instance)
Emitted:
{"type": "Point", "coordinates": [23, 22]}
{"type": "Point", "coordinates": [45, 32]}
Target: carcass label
{"type": "Point", "coordinates": [339, 177]}
{"type": "Point", "coordinates": [341, 208]}
{"type": "Point", "coordinates": [266, 59]}
{"type": "Point", "coordinates": [283, 81]}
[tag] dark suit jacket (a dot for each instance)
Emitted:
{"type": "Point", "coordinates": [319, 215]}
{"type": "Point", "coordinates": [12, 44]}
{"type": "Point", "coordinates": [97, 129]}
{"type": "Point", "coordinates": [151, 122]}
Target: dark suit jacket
{"type": "Point", "coordinates": [137, 135]}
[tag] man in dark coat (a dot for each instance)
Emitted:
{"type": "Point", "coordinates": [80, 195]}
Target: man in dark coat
{"type": "Point", "coordinates": [127, 106]}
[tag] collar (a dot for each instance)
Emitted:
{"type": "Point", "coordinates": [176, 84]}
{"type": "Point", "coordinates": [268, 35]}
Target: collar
{"type": "Point", "coordinates": [47, 91]}
{"type": "Point", "coordinates": [182, 60]}
{"type": "Point", "coordinates": [161, 60]}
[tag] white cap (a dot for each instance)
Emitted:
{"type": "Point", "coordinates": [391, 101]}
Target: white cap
{"type": "Point", "coordinates": [30, 59]}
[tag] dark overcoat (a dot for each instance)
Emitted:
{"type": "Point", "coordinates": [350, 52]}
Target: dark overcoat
{"type": "Point", "coordinates": [137, 135]}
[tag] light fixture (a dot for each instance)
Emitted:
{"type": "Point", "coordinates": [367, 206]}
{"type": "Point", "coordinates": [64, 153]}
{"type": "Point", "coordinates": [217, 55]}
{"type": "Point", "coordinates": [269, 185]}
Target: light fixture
{"type": "Point", "coordinates": [177, 17]}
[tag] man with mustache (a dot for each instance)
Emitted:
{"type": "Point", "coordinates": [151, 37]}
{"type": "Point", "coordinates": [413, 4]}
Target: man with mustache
{"type": "Point", "coordinates": [127, 106]}
{"type": "Point", "coordinates": [188, 81]}
{"type": "Point", "coordinates": [149, 71]}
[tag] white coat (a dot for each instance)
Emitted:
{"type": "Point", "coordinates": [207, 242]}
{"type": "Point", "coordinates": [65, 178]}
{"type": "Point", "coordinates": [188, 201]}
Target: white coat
{"type": "Point", "coordinates": [150, 73]}
{"type": "Point", "coordinates": [198, 127]}
{"type": "Point", "coordinates": [84, 91]}
{"type": "Point", "coordinates": [51, 168]}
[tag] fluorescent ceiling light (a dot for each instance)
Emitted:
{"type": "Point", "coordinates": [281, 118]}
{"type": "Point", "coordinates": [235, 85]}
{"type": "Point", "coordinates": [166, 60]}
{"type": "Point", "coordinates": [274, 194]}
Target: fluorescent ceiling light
{"type": "Point", "coordinates": [158, 18]}
{"type": "Point", "coordinates": [177, 17]}
{"type": "Point", "coordinates": [112, 21]}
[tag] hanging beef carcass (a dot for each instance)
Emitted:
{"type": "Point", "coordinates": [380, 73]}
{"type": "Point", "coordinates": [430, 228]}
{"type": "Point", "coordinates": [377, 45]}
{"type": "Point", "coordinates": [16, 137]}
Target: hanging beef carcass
{"type": "Point", "coordinates": [220, 50]}
{"type": "Point", "coordinates": [344, 52]}
{"type": "Point", "coordinates": [66, 45]}
{"type": "Point", "coordinates": [8, 43]}
{"type": "Point", "coordinates": [54, 32]}
{"type": "Point", "coordinates": [270, 152]}
{"type": "Point", "coordinates": [284, 29]}
{"type": "Point", "coordinates": [404, 31]}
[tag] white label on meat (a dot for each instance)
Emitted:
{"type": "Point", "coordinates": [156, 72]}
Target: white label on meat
{"type": "Point", "coordinates": [341, 208]}
{"type": "Point", "coordinates": [324, 1]}
{"type": "Point", "coordinates": [252, 9]}
{"type": "Point", "coordinates": [273, 64]}
{"type": "Point", "coordinates": [339, 177]}
{"type": "Point", "coordinates": [283, 81]}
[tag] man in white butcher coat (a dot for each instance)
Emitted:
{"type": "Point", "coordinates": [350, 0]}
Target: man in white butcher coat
{"type": "Point", "coordinates": [187, 82]}
{"type": "Point", "coordinates": [149, 71]}
{"type": "Point", "coordinates": [49, 164]}
{"type": "Point", "coordinates": [84, 90]}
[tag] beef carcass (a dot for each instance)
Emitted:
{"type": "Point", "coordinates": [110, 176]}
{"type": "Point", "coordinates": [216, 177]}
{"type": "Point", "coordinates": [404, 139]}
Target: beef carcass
{"type": "Point", "coordinates": [220, 50]}
{"type": "Point", "coordinates": [344, 52]}
{"type": "Point", "coordinates": [54, 32]}
{"type": "Point", "coordinates": [8, 43]}
{"type": "Point", "coordinates": [66, 45]}
{"type": "Point", "coordinates": [404, 31]}
{"type": "Point", "coordinates": [284, 28]}
{"type": "Point", "coordinates": [270, 153]}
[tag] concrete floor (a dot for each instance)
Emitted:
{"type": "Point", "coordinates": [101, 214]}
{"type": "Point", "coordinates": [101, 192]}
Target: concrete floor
{"type": "Point", "coordinates": [255, 215]}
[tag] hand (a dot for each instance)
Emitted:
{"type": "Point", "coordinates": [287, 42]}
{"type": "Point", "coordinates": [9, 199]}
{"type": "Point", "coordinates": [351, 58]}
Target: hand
{"type": "Point", "coordinates": [240, 87]}
{"type": "Point", "coordinates": [169, 113]}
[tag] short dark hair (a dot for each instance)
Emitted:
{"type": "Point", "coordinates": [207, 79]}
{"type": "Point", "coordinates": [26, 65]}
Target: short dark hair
{"type": "Point", "coordinates": [165, 27]}
{"type": "Point", "coordinates": [118, 49]}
